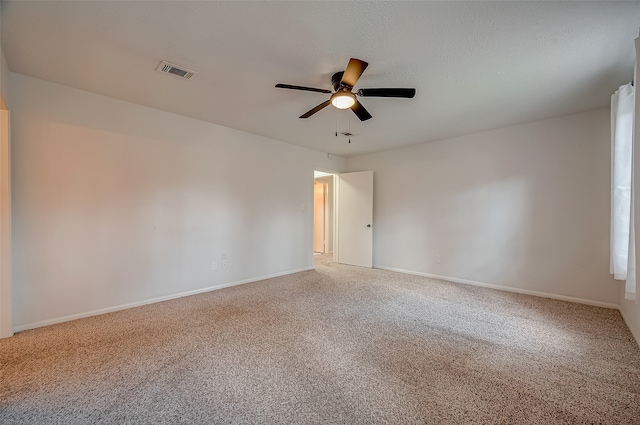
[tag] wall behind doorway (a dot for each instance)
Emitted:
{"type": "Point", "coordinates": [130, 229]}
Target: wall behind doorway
{"type": "Point", "coordinates": [319, 205]}
{"type": "Point", "coordinates": [329, 211]}
{"type": "Point", "coordinates": [6, 314]}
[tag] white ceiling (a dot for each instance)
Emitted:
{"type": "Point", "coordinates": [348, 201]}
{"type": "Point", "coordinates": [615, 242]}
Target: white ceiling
{"type": "Point", "coordinates": [475, 65]}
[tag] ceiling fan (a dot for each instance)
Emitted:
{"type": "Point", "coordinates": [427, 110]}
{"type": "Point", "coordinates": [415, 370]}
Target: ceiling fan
{"type": "Point", "coordinates": [344, 97]}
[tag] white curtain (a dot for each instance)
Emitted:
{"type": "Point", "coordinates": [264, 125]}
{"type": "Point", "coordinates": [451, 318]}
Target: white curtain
{"type": "Point", "coordinates": [623, 265]}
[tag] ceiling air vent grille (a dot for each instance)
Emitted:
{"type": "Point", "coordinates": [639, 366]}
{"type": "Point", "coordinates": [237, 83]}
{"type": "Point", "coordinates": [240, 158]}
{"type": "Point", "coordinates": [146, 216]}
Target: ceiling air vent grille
{"type": "Point", "coordinates": [169, 68]}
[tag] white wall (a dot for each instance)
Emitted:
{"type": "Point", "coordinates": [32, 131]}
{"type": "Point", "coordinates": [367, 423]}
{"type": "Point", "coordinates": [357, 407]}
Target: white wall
{"type": "Point", "coordinates": [4, 80]}
{"type": "Point", "coordinates": [631, 312]}
{"type": "Point", "coordinates": [116, 203]}
{"type": "Point", "coordinates": [4, 70]}
{"type": "Point", "coordinates": [524, 207]}
{"type": "Point", "coordinates": [631, 309]}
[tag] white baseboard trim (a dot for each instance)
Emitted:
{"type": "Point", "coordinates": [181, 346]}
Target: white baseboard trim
{"type": "Point", "coordinates": [505, 288]}
{"type": "Point", "coordinates": [149, 301]}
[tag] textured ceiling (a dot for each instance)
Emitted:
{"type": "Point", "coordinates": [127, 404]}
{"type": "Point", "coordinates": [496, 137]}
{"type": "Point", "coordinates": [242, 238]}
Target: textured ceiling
{"type": "Point", "coordinates": [475, 65]}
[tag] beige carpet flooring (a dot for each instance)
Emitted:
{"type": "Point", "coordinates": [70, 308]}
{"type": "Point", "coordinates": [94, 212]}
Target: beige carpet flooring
{"type": "Point", "coordinates": [336, 345]}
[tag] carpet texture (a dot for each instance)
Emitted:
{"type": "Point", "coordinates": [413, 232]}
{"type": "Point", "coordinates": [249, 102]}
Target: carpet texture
{"type": "Point", "coordinates": [335, 345]}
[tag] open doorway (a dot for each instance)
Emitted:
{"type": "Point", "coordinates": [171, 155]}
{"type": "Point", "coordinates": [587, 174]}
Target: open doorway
{"type": "Point", "coordinates": [343, 218]}
{"type": "Point", "coordinates": [323, 214]}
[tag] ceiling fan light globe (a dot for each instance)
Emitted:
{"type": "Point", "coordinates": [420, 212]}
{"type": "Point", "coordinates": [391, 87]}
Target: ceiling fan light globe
{"type": "Point", "coordinates": [343, 100]}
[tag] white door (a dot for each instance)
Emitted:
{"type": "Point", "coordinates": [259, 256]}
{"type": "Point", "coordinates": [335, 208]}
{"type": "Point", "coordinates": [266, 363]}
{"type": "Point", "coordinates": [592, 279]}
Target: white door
{"type": "Point", "coordinates": [355, 219]}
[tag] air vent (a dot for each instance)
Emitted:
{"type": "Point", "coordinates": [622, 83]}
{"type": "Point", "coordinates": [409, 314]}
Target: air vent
{"type": "Point", "coordinates": [169, 68]}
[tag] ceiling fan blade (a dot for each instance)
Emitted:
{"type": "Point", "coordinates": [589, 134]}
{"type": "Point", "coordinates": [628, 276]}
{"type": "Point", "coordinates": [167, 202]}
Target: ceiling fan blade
{"type": "Point", "coordinates": [405, 93]}
{"type": "Point", "coordinates": [316, 109]}
{"type": "Point", "coordinates": [354, 70]}
{"type": "Point", "coordinates": [288, 86]}
{"type": "Point", "coordinates": [360, 111]}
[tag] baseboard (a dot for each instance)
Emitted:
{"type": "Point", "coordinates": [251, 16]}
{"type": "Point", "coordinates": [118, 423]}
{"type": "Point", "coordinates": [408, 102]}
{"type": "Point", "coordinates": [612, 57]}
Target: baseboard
{"type": "Point", "coordinates": [149, 301]}
{"type": "Point", "coordinates": [505, 288]}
